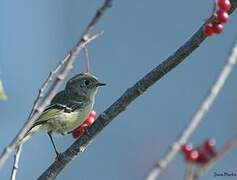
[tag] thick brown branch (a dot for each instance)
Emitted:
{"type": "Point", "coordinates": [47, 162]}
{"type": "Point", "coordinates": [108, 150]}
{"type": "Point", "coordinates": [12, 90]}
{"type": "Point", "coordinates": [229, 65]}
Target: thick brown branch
{"type": "Point", "coordinates": [120, 105]}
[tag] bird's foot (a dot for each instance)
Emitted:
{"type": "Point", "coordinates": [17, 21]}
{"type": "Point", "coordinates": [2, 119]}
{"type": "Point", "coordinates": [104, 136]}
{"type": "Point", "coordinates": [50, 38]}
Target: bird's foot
{"type": "Point", "coordinates": [86, 129]}
{"type": "Point", "coordinates": [58, 155]}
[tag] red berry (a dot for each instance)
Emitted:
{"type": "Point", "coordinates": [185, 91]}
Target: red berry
{"type": "Point", "coordinates": [208, 147]}
{"type": "Point", "coordinates": [93, 113]}
{"type": "Point", "coordinates": [83, 125]}
{"type": "Point", "coordinates": [203, 157]}
{"type": "Point", "coordinates": [224, 5]}
{"type": "Point", "coordinates": [187, 149]}
{"type": "Point", "coordinates": [222, 16]}
{"type": "Point", "coordinates": [91, 118]}
{"type": "Point", "coordinates": [78, 132]}
{"type": "Point", "coordinates": [193, 156]}
{"type": "Point", "coordinates": [87, 122]}
{"type": "Point", "coordinates": [217, 27]}
{"type": "Point", "coordinates": [209, 144]}
{"type": "Point", "coordinates": [208, 29]}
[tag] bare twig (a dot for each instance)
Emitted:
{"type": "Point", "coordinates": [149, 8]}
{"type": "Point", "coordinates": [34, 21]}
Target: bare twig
{"type": "Point", "coordinates": [50, 77]}
{"type": "Point", "coordinates": [37, 102]}
{"type": "Point", "coordinates": [16, 163]}
{"type": "Point", "coordinates": [87, 59]}
{"type": "Point", "coordinates": [225, 149]}
{"type": "Point", "coordinates": [120, 105]}
{"type": "Point", "coordinates": [197, 118]}
{"type": "Point", "coordinates": [189, 171]}
{"type": "Point", "coordinates": [43, 102]}
{"type": "Point", "coordinates": [35, 106]}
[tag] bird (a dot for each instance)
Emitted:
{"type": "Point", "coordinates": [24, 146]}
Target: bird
{"type": "Point", "coordinates": [68, 109]}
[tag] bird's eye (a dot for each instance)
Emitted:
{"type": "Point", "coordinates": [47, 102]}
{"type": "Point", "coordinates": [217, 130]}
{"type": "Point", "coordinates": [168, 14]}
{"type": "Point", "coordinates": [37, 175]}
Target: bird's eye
{"type": "Point", "coordinates": [87, 82]}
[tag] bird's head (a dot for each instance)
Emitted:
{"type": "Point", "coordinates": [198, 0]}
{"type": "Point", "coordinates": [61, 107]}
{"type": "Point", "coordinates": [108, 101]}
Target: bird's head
{"type": "Point", "coordinates": [83, 84]}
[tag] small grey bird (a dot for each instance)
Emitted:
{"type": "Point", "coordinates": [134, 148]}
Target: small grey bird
{"type": "Point", "coordinates": [69, 108]}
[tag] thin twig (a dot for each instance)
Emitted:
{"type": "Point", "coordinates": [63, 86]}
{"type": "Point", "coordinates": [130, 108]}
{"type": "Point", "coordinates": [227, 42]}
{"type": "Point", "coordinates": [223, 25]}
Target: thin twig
{"type": "Point", "coordinates": [35, 106]}
{"type": "Point", "coordinates": [120, 105]}
{"type": "Point", "coordinates": [52, 90]}
{"type": "Point", "coordinates": [225, 149]}
{"type": "Point", "coordinates": [37, 102]}
{"type": "Point", "coordinates": [50, 77]}
{"type": "Point", "coordinates": [16, 163]}
{"type": "Point", "coordinates": [87, 59]}
{"type": "Point", "coordinates": [189, 171]}
{"type": "Point", "coordinates": [197, 118]}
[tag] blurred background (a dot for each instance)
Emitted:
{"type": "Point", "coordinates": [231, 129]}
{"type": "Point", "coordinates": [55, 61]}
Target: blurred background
{"type": "Point", "coordinates": [138, 36]}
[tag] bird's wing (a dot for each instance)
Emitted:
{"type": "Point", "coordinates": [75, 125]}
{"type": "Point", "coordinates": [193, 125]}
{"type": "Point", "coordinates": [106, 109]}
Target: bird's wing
{"type": "Point", "coordinates": [60, 103]}
{"type": "Point", "coordinates": [53, 109]}
{"type": "Point", "coordinates": [65, 101]}
{"type": "Point", "coordinates": [49, 113]}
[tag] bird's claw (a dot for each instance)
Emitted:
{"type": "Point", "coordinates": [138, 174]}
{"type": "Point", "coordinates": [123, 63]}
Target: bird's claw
{"type": "Point", "coordinates": [58, 155]}
{"type": "Point", "coordinates": [87, 130]}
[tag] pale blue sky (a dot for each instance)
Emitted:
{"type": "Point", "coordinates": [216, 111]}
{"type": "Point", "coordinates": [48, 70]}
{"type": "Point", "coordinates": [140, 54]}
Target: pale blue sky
{"type": "Point", "coordinates": [139, 35]}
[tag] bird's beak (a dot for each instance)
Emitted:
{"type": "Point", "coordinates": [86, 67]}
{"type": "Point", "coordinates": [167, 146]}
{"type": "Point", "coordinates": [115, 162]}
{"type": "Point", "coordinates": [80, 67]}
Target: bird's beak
{"type": "Point", "coordinates": [100, 84]}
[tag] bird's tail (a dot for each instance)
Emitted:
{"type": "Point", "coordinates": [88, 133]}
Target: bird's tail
{"type": "Point", "coordinates": [28, 135]}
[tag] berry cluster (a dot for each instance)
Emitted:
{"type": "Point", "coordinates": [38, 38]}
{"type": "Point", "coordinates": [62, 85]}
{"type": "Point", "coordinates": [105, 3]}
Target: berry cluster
{"type": "Point", "coordinates": [221, 15]}
{"type": "Point", "coordinates": [199, 155]}
{"type": "Point", "coordinates": [79, 131]}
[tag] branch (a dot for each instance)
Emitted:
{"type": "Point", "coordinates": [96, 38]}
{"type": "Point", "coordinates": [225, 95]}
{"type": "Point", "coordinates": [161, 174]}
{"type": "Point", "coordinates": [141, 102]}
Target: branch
{"type": "Point", "coordinates": [87, 59]}
{"type": "Point", "coordinates": [16, 162]}
{"type": "Point", "coordinates": [66, 68]}
{"type": "Point", "coordinates": [225, 149]}
{"type": "Point", "coordinates": [120, 105]}
{"type": "Point", "coordinates": [197, 118]}
{"type": "Point", "coordinates": [189, 171]}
